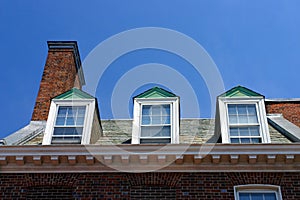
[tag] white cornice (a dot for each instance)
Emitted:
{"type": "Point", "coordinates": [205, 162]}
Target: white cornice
{"type": "Point", "coordinates": [144, 158]}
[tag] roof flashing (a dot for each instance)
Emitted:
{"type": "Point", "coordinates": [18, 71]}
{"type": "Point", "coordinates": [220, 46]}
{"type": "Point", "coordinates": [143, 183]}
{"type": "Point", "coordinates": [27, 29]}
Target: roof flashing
{"type": "Point", "coordinates": [240, 91]}
{"type": "Point", "coordinates": [74, 93]}
{"type": "Point", "coordinates": [284, 126]}
{"type": "Point", "coordinates": [155, 92]}
{"type": "Point", "coordinates": [283, 100]}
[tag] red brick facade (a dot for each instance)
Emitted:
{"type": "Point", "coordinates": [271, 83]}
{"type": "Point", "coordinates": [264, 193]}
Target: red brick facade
{"type": "Point", "coordinates": [60, 75]}
{"type": "Point", "coordinates": [290, 110]}
{"type": "Point", "coordinates": [141, 186]}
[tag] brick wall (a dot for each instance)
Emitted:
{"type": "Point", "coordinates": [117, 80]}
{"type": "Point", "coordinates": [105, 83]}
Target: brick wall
{"type": "Point", "coordinates": [59, 76]}
{"type": "Point", "coordinates": [46, 191]}
{"type": "Point", "coordinates": [290, 110]}
{"type": "Point", "coordinates": [141, 185]}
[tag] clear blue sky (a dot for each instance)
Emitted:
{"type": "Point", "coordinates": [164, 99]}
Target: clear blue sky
{"type": "Point", "coordinates": [253, 43]}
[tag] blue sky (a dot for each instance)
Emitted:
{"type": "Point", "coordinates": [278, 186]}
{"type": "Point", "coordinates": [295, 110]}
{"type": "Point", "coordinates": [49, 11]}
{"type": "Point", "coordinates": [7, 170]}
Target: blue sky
{"type": "Point", "coordinates": [253, 43]}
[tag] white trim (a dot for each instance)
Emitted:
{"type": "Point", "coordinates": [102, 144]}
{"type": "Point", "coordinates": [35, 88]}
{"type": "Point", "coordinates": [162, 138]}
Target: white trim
{"type": "Point", "coordinates": [255, 188]}
{"type": "Point", "coordinates": [261, 115]}
{"type": "Point", "coordinates": [137, 114]}
{"type": "Point", "coordinates": [140, 155]}
{"type": "Point", "coordinates": [88, 119]}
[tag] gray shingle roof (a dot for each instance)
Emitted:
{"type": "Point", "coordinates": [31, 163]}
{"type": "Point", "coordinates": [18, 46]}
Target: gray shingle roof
{"type": "Point", "coordinates": [29, 132]}
{"type": "Point", "coordinates": [192, 131]}
{"type": "Point", "coordinates": [287, 128]}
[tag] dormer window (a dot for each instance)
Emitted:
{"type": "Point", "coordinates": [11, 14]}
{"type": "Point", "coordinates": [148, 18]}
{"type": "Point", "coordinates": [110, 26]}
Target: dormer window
{"type": "Point", "coordinates": [156, 117]}
{"type": "Point", "coordinates": [71, 119]}
{"type": "Point", "coordinates": [241, 117]}
{"type": "Point", "coordinates": [243, 123]}
{"type": "Point", "coordinates": [68, 126]}
{"type": "Point", "coordinates": [156, 124]}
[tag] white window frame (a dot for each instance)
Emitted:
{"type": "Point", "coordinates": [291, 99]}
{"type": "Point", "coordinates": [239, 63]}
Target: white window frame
{"type": "Point", "coordinates": [137, 115]}
{"type": "Point", "coordinates": [257, 188]}
{"type": "Point", "coordinates": [261, 116]}
{"type": "Point", "coordinates": [88, 118]}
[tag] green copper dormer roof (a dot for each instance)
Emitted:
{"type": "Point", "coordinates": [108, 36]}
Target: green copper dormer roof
{"type": "Point", "coordinates": [74, 93]}
{"type": "Point", "coordinates": [155, 92]}
{"type": "Point", "coordinates": [240, 91]}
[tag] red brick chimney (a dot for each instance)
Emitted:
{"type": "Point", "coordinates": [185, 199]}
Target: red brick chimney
{"type": "Point", "coordinates": [62, 72]}
{"type": "Point", "coordinates": [289, 108]}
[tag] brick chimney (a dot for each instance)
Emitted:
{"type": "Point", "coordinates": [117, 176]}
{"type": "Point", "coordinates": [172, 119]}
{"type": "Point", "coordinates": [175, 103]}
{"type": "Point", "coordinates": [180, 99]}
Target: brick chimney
{"type": "Point", "coordinates": [62, 72]}
{"type": "Point", "coordinates": [289, 108]}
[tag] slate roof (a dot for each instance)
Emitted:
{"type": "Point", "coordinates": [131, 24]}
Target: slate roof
{"type": "Point", "coordinates": [192, 131]}
{"type": "Point", "coordinates": [27, 134]}
{"type": "Point", "coordinates": [287, 128]}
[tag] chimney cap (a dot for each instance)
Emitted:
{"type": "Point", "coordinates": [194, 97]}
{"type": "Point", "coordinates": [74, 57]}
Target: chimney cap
{"type": "Point", "coordinates": [73, 46]}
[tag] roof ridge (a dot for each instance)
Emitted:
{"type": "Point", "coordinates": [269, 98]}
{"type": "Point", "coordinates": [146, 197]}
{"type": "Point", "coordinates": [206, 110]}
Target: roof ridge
{"type": "Point", "coordinates": [156, 89]}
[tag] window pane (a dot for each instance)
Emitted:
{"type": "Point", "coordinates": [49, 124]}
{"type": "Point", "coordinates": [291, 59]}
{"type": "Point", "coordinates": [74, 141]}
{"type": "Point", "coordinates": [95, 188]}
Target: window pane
{"type": "Point", "coordinates": [255, 140]}
{"type": "Point", "coordinates": [270, 196]}
{"type": "Point", "coordinates": [146, 131]}
{"type": "Point", "coordinates": [145, 120]}
{"type": "Point", "coordinates": [257, 196]}
{"type": "Point", "coordinates": [60, 121]}
{"type": "Point", "coordinates": [155, 141]}
{"type": "Point", "coordinates": [156, 120]}
{"type": "Point", "coordinates": [242, 109]}
{"type": "Point", "coordinates": [254, 131]}
{"type": "Point", "coordinates": [233, 119]}
{"type": "Point", "coordinates": [78, 131]}
{"type": "Point", "coordinates": [251, 109]}
{"type": "Point", "coordinates": [243, 123]}
{"type": "Point", "coordinates": [80, 121]}
{"type": "Point", "coordinates": [234, 132]}
{"type": "Point", "coordinates": [166, 110]}
{"type": "Point", "coordinates": [166, 120]}
{"type": "Point", "coordinates": [70, 111]}
{"type": "Point", "coordinates": [252, 119]}
{"type": "Point", "coordinates": [68, 117]}
{"type": "Point", "coordinates": [244, 131]}
{"type": "Point", "coordinates": [155, 131]}
{"type": "Point", "coordinates": [66, 140]}
{"type": "Point", "coordinates": [156, 110]}
{"type": "Point", "coordinates": [81, 111]}
{"type": "Point", "coordinates": [146, 110]}
{"type": "Point", "coordinates": [242, 119]}
{"type": "Point", "coordinates": [62, 111]}
{"type": "Point", "coordinates": [166, 131]}
{"type": "Point", "coordinates": [232, 109]}
{"type": "Point", "coordinates": [245, 140]}
{"type": "Point", "coordinates": [242, 113]}
{"type": "Point", "coordinates": [70, 121]}
{"type": "Point", "coordinates": [59, 131]}
{"type": "Point", "coordinates": [235, 140]}
{"type": "Point", "coordinates": [67, 131]}
{"type": "Point", "coordinates": [244, 196]}
{"type": "Point", "coordinates": [156, 115]}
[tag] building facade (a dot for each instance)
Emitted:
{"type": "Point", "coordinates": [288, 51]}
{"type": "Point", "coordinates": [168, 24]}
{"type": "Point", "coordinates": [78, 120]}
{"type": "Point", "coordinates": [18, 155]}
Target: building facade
{"type": "Point", "coordinates": [250, 150]}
